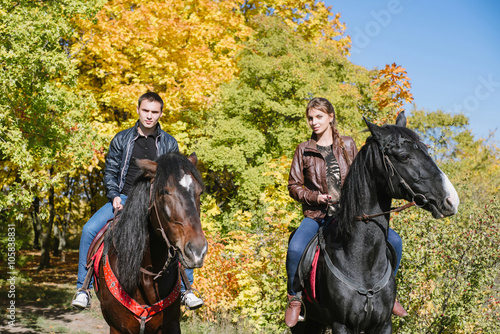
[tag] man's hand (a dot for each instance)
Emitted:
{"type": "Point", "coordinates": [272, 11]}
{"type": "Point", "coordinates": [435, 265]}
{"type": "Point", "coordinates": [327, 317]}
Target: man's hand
{"type": "Point", "coordinates": [117, 204]}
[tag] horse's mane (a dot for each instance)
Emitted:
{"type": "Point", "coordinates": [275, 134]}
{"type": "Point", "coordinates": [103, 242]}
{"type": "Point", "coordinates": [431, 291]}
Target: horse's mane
{"type": "Point", "coordinates": [357, 184]}
{"type": "Point", "coordinates": [130, 235]}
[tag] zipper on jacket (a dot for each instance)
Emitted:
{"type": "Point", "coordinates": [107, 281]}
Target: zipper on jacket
{"type": "Point", "coordinates": [127, 157]}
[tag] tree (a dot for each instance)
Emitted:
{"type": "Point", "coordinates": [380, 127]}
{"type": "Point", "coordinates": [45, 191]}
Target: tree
{"type": "Point", "coordinates": [183, 50]}
{"type": "Point", "coordinates": [310, 19]}
{"type": "Point", "coordinates": [392, 90]}
{"type": "Point", "coordinates": [260, 116]}
{"type": "Point", "coordinates": [44, 127]}
{"type": "Point", "coordinates": [180, 49]}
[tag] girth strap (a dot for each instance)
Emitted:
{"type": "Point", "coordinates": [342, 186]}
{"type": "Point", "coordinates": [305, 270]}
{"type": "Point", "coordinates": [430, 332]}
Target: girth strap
{"type": "Point", "coordinates": [353, 284]}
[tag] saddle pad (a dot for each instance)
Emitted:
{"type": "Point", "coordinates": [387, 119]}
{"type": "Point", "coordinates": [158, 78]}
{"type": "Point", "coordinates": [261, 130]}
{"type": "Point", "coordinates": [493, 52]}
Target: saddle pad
{"type": "Point", "coordinates": [304, 268]}
{"type": "Point", "coordinates": [96, 259]}
{"type": "Point", "coordinates": [312, 279]}
{"type": "Point", "coordinates": [97, 241]}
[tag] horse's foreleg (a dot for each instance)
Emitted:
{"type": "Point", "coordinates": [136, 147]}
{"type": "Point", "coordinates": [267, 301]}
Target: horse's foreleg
{"type": "Point", "coordinates": [307, 327]}
{"type": "Point", "coordinates": [113, 331]}
{"type": "Point", "coordinates": [171, 328]}
{"type": "Point", "coordinates": [386, 328]}
{"type": "Point", "coordinates": [338, 328]}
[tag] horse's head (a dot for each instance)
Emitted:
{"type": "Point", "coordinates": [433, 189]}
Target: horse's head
{"type": "Point", "coordinates": [411, 173]}
{"type": "Point", "coordinates": [176, 186]}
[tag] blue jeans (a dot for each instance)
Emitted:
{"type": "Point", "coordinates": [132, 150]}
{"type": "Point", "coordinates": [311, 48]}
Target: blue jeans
{"type": "Point", "coordinates": [90, 230]}
{"type": "Point", "coordinates": [395, 240]}
{"type": "Point", "coordinates": [189, 274]}
{"type": "Point", "coordinates": [306, 231]}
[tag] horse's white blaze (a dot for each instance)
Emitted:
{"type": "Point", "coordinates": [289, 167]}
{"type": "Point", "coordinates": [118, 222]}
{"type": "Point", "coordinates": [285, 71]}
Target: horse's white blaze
{"type": "Point", "coordinates": [198, 258]}
{"type": "Point", "coordinates": [452, 195]}
{"type": "Point", "coordinates": [167, 210]}
{"type": "Point", "coordinates": [186, 181]}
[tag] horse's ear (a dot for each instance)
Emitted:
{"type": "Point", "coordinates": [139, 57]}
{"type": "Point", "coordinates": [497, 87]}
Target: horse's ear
{"type": "Point", "coordinates": [193, 158]}
{"type": "Point", "coordinates": [379, 133]}
{"type": "Point", "coordinates": [401, 119]}
{"type": "Point", "coordinates": [148, 167]}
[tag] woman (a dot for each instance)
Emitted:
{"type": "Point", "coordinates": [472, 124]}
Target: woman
{"type": "Point", "coordinates": [318, 170]}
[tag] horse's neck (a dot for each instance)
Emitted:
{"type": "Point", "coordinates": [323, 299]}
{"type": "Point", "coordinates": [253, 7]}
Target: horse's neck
{"type": "Point", "coordinates": [155, 253]}
{"type": "Point", "coordinates": [155, 256]}
{"type": "Point", "coordinates": [364, 248]}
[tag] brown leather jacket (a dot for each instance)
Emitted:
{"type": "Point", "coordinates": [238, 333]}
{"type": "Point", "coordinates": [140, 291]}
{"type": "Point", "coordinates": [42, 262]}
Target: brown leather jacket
{"type": "Point", "coordinates": [307, 179]}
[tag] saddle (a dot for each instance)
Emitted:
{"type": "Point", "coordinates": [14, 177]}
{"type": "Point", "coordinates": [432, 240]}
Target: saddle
{"type": "Point", "coordinates": [306, 271]}
{"type": "Point", "coordinates": [94, 255]}
{"type": "Point", "coordinates": [96, 243]}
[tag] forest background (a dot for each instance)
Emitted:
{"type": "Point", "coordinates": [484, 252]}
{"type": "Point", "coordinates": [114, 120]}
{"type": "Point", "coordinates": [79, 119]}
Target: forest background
{"type": "Point", "coordinates": [235, 77]}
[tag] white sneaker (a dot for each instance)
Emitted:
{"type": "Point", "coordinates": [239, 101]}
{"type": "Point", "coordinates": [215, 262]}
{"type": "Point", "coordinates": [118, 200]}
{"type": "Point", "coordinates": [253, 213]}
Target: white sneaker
{"type": "Point", "coordinates": [191, 301]}
{"type": "Point", "coordinates": [81, 300]}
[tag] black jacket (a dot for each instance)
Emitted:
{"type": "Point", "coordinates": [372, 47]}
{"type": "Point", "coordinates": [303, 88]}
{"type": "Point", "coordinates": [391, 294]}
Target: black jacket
{"type": "Point", "coordinates": [120, 152]}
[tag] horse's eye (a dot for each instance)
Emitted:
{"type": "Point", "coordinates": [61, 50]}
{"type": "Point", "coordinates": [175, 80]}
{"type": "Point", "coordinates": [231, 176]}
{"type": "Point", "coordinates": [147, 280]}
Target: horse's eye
{"type": "Point", "coordinates": [404, 157]}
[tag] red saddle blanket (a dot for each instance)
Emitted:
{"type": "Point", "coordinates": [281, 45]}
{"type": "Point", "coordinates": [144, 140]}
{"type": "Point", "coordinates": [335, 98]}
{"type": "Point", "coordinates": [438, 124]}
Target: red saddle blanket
{"type": "Point", "coordinates": [312, 277]}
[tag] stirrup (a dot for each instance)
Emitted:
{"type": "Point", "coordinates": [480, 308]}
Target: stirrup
{"type": "Point", "coordinates": [197, 295]}
{"type": "Point", "coordinates": [298, 296]}
{"type": "Point", "coordinates": [88, 292]}
{"type": "Point", "coordinates": [302, 307]}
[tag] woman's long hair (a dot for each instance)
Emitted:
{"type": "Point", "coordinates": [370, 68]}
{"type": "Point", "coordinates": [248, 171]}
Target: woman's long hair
{"type": "Point", "coordinates": [325, 106]}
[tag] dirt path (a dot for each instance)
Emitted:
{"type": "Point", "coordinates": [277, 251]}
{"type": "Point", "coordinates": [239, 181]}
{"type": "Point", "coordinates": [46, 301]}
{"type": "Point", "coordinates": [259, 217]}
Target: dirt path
{"type": "Point", "coordinates": [35, 320]}
{"type": "Point", "coordinates": [43, 301]}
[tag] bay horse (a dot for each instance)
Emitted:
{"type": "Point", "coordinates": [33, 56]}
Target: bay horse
{"type": "Point", "coordinates": [138, 283]}
{"type": "Point", "coordinates": [355, 285]}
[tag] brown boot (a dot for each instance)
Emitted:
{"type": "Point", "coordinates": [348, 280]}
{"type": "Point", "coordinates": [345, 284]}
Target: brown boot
{"type": "Point", "coordinates": [398, 310]}
{"type": "Point", "coordinates": [292, 311]}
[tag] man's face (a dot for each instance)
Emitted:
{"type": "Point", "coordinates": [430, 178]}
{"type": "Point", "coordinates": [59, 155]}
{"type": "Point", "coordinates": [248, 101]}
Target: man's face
{"type": "Point", "coordinates": [149, 113]}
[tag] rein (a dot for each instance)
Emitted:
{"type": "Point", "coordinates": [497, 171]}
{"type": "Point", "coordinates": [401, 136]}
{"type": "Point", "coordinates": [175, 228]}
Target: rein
{"type": "Point", "coordinates": [171, 250]}
{"type": "Point", "coordinates": [366, 218]}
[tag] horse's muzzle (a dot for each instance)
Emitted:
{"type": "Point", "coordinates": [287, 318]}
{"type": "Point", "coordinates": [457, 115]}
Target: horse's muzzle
{"type": "Point", "coordinates": [194, 254]}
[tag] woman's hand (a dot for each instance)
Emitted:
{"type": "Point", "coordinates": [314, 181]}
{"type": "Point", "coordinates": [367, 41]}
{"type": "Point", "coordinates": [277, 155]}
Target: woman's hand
{"type": "Point", "coordinates": [323, 199]}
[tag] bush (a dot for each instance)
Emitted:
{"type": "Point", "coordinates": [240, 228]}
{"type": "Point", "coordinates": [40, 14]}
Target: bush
{"type": "Point", "coordinates": [447, 275]}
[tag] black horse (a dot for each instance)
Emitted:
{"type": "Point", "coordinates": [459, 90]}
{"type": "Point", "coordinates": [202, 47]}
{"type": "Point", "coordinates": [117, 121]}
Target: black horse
{"type": "Point", "coordinates": [354, 282]}
{"type": "Point", "coordinates": [138, 283]}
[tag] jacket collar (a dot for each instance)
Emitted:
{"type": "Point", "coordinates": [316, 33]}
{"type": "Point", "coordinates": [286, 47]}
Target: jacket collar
{"type": "Point", "coordinates": [312, 144]}
{"type": "Point", "coordinates": [156, 134]}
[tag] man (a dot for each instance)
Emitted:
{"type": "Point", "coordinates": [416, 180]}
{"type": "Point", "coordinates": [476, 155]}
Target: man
{"type": "Point", "coordinates": [145, 140]}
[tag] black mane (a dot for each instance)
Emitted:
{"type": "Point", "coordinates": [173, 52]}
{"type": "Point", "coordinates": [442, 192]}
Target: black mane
{"type": "Point", "coordinates": [130, 235]}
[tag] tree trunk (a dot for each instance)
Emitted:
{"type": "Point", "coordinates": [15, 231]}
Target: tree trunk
{"type": "Point", "coordinates": [45, 246]}
{"type": "Point", "coordinates": [62, 237]}
{"type": "Point", "coordinates": [37, 225]}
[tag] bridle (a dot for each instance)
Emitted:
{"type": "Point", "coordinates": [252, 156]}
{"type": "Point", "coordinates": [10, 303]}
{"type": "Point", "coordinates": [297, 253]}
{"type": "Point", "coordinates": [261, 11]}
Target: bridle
{"type": "Point", "coordinates": [171, 250]}
{"type": "Point", "coordinates": [418, 199]}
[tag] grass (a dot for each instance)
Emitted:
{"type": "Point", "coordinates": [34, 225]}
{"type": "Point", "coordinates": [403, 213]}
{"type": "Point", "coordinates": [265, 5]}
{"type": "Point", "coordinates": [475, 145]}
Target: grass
{"type": "Point", "coordinates": [195, 325]}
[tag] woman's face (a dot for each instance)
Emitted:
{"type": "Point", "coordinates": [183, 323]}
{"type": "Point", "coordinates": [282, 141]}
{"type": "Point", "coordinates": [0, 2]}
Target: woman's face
{"type": "Point", "coordinates": [319, 121]}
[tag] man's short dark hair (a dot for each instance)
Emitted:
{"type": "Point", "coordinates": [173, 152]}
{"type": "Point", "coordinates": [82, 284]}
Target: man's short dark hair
{"type": "Point", "coordinates": [151, 97]}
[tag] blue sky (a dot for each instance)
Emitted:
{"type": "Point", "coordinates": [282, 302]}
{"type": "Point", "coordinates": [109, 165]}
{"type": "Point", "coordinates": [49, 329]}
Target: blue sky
{"type": "Point", "coordinates": [450, 49]}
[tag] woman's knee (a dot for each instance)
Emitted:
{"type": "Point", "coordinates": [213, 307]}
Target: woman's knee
{"type": "Point", "coordinates": [395, 240]}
